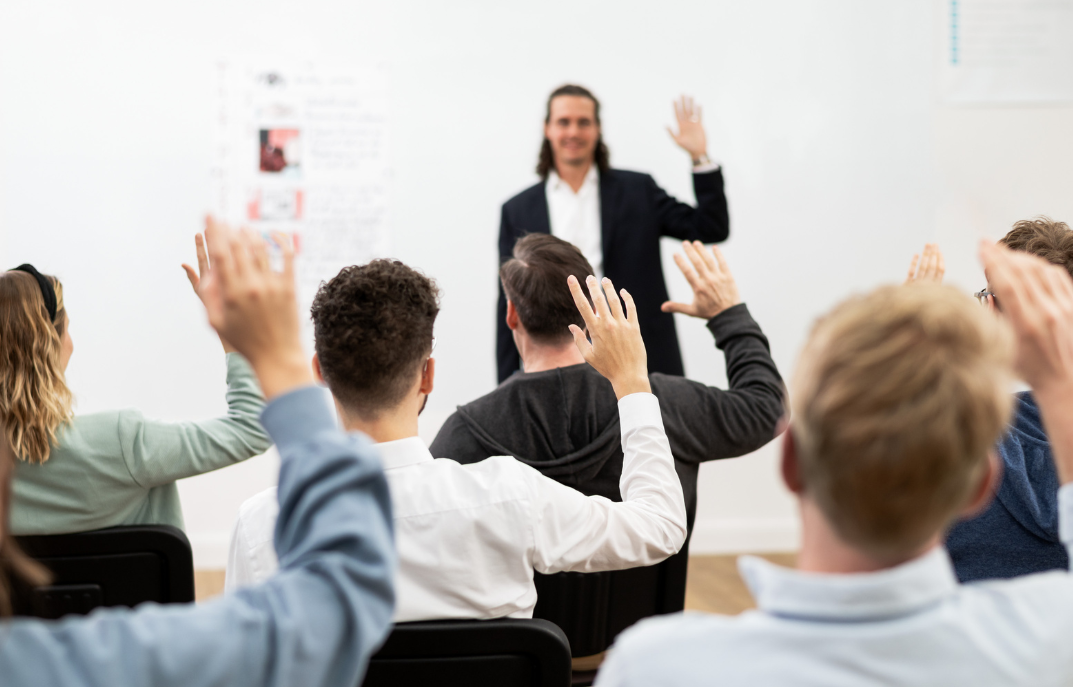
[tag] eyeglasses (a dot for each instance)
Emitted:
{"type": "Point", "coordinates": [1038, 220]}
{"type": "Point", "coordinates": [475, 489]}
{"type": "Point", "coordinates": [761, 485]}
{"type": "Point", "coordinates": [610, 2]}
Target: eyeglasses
{"type": "Point", "coordinates": [982, 296]}
{"type": "Point", "coordinates": [433, 346]}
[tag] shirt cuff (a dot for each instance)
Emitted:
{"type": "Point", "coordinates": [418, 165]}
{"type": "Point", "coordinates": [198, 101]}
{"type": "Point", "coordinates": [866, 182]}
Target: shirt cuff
{"type": "Point", "coordinates": [1065, 514]}
{"type": "Point", "coordinates": [709, 166]}
{"type": "Point", "coordinates": [298, 416]}
{"type": "Point", "coordinates": [639, 410]}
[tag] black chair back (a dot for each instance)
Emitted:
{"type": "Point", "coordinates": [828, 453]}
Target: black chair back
{"type": "Point", "coordinates": [593, 608]}
{"type": "Point", "coordinates": [450, 653]}
{"type": "Point", "coordinates": [118, 566]}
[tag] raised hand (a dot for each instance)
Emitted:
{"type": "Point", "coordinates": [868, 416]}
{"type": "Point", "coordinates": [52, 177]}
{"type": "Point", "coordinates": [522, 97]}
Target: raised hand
{"type": "Point", "coordinates": [196, 278]}
{"type": "Point", "coordinates": [617, 350]}
{"type": "Point", "coordinates": [690, 136]}
{"type": "Point", "coordinates": [927, 268]}
{"type": "Point", "coordinates": [714, 288]}
{"type": "Point", "coordinates": [254, 307]}
{"type": "Point", "coordinates": [1037, 299]}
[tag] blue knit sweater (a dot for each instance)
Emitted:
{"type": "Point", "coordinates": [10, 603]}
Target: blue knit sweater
{"type": "Point", "coordinates": [1018, 533]}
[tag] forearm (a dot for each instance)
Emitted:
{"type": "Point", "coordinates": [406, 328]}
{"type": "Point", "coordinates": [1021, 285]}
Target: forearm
{"type": "Point", "coordinates": [316, 623]}
{"type": "Point", "coordinates": [1056, 410]}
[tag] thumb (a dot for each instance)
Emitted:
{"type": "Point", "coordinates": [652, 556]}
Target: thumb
{"type": "Point", "coordinates": [673, 135]}
{"type": "Point", "coordinates": [582, 343]}
{"type": "Point", "coordinates": [672, 306]}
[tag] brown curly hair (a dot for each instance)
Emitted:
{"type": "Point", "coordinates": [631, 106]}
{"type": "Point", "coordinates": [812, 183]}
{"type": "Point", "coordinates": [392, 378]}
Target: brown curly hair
{"type": "Point", "coordinates": [372, 326]}
{"type": "Point", "coordinates": [1042, 236]}
{"type": "Point", "coordinates": [546, 161]}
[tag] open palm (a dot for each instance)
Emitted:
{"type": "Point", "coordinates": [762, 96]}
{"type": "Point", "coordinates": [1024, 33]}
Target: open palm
{"type": "Point", "coordinates": [690, 136]}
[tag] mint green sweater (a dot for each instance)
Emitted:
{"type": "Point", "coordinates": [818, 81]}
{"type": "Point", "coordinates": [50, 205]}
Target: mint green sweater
{"type": "Point", "coordinates": [118, 468]}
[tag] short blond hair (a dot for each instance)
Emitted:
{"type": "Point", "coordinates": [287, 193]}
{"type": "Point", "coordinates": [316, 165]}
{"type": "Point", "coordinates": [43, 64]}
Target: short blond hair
{"type": "Point", "coordinates": [898, 397]}
{"type": "Point", "coordinates": [34, 398]}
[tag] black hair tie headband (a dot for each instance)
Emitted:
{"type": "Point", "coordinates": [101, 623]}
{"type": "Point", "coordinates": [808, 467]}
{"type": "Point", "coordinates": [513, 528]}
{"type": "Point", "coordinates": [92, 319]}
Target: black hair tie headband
{"type": "Point", "coordinates": [47, 291]}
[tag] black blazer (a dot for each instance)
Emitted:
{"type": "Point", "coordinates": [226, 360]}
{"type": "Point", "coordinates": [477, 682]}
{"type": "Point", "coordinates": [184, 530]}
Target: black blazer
{"type": "Point", "coordinates": [634, 214]}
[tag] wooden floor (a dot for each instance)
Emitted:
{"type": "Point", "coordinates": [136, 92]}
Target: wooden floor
{"type": "Point", "coordinates": [713, 584]}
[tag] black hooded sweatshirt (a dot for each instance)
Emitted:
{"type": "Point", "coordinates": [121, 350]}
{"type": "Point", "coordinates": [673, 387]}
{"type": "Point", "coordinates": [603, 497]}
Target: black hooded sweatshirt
{"type": "Point", "coordinates": [564, 422]}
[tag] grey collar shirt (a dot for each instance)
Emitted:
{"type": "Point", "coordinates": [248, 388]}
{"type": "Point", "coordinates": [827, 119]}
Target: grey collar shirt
{"type": "Point", "coordinates": [908, 625]}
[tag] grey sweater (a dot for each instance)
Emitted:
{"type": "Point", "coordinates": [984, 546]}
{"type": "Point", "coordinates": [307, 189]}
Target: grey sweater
{"type": "Point", "coordinates": [564, 422]}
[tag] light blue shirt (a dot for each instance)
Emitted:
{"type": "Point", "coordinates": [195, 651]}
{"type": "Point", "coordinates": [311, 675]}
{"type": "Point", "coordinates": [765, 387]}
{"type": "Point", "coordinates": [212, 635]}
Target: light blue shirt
{"type": "Point", "coordinates": [315, 623]}
{"type": "Point", "coordinates": [909, 625]}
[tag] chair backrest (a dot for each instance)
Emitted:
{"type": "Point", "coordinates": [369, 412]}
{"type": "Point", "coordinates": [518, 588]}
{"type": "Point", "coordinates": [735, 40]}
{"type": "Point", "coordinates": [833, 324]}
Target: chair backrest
{"type": "Point", "coordinates": [118, 566]}
{"type": "Point", "coordinates": [505, 653]}
{"type": "Point", "coordinates": [593, 608]}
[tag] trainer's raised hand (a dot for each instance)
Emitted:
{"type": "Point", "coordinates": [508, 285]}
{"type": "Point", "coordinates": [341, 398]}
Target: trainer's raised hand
{"type": "Point", "coordinates": [690, 135]}
{"type": "Point", "coordinates": [714, 288]}
{"type": "Point", "coordinates": [927, 268]}
{"type": "Point", "coordinates": [1037, 299]}
{"type": "Point", "coordinates": [254, 307]}
{"type": "Point", "coordinates": [617, 350]}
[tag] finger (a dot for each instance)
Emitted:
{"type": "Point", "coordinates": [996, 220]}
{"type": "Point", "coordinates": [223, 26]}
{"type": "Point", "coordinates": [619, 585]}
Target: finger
{"type": "Point", "coordinates": [240, 255]}
{"type": "Point", "coordinates": [913, 268]}
{"type": "Point", "coordinates": [581, 341]}
{"type": "Point", "coordinates": [709, 260]}
{"type": "Point", "coordinates": [674, 136]}
{"type": "Point", "coordinates": [698, 114]}
{"type": "Point", "coordinates": [218, 247]}
{"type": "Point", "coordinates": [612, 299]}
{"type": "Point", "coordinates": [696, 260]}
{"type": "Point", "coordinates": [631, 307]}
{"type": "Point", "coordinates": [191, 275]}
{"type": "Point", "coordinates": [721, 259]}
{"type": "Point", "coordinates": [674, 306]}
{"type": "Point", "coordinates": [678, 113]}
{"type": "Point", "coordinates": [581, 302]}
{"type": "Point", "coordinates": [258, 251]}
{"type": "Point", "coordinates": [687, 271]}
{"type": "Point", "coordinates": [598, 299]}
{"type": "Point", "coordinates": [202, 255]}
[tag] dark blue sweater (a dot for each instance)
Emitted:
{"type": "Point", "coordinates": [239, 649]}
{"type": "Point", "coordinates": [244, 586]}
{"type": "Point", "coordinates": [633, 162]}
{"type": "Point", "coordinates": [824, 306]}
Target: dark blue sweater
{"type": "Point", "coordinates": [1018, 533]}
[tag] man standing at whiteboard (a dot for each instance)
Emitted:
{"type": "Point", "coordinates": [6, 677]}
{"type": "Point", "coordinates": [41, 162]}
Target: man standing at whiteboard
{"type": "Point", "coordinates": [615, 217]}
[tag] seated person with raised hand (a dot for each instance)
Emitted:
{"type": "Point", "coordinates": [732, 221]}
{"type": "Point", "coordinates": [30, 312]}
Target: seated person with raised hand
{"type": "Point", "coordinates": [315, 623]}
{"type": "Point", "coordinates": [75, 473]}
{"type": "Point", "coordinates": [559, 414]}
{"type": "Point", "coordinates": [1018, 533]}
{"type": "Point", "coordinates": [897, 401]}
{"type": "Point", "coordinates": [470, 536]}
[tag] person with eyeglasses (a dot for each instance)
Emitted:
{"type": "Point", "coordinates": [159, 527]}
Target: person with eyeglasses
{"type": "Point", "coordinates": [1017, 534]}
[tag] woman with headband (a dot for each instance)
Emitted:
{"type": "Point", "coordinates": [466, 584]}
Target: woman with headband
{"type": "Point", "coordinates": [75, 473]}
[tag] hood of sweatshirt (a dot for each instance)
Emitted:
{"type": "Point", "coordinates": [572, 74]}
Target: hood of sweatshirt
{"type": "Point", "coordinates": [573, 437]}
{"type": "Point", "coordinates": [1029, 489]}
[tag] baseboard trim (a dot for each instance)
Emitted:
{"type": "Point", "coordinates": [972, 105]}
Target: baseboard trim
{"type": "Point", "coordinates": [759, 535]}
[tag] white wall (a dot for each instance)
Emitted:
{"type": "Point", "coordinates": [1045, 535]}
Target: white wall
{"type": "Point", "coordinates": [838, 161]}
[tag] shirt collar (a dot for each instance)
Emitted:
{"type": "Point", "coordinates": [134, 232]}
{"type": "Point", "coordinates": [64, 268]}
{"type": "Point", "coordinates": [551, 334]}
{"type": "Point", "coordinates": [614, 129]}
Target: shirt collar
{"type": "Point", "coordinates": [898, 591]}
{"type": "Point", "coordinates": [555, 182]}
{"type": "Point", "coordinates": [403, 452]}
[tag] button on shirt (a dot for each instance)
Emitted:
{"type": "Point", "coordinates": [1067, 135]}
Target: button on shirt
{"type": "Point", "coordinates": [908, 625]}
{"type": "Point", "coordinates": [470, 536]}
{"type": "Point", "coordinates": [575, 217]}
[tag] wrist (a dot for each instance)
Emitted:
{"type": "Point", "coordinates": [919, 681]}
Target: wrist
{"type": "Point", "coordinates": [700, 158]}
{"type": "Point", "coordinates": [1055, 402]}
{"type": "Point", "coordinates": [632, 385]}
{"type": "Point", "coordinates": [281, 372]}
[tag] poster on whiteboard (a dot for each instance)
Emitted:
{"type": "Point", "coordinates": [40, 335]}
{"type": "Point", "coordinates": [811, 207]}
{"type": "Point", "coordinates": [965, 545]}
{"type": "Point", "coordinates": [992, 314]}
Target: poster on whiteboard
{"type": "Point", "coordinates": [303, 150]}
{"type": "Point", "coordinates": [1007, 51]}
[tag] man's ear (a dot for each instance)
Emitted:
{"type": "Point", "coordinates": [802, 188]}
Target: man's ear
{"type": "Point", "coordinates": [985, 491]}
{"type": "Point", "coordinates": [512, 315]}
{"type": "Point", "coordinates": [316, 369]}
{"type": "Point", "coordinates": [428, 374]}
{"type": "Point", "coordinates": [789, 465]}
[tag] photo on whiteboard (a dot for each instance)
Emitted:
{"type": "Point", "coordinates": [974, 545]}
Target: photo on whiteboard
{"type": "Point", "coordinates": [281, 151]}
{"type": "Point", "coordinates": [274, 205]}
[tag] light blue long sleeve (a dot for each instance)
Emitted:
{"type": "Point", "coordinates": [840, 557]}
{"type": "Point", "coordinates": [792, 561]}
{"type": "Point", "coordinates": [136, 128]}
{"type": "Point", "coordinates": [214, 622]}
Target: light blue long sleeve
{"type": "Point", "coordinates": [315, 623]}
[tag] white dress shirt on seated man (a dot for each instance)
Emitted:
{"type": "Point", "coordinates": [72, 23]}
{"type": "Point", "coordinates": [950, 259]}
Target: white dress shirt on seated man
{"type": "Point", "coordinates": [908, 625]}
{"type": "Point", "coordinates": [470, 536]}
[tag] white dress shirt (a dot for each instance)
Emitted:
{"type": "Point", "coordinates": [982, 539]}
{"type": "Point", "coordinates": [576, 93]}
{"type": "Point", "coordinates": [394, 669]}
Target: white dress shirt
{"type": "Point", "coordinates": [575, 217]}
{"type": "Point", "coordinates": [470, 536]}
{"type": "Point", "coordinates": [909, 625]}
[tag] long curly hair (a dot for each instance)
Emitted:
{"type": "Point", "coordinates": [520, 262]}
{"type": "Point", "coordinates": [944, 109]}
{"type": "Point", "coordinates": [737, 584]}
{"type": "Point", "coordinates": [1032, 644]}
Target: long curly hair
{"type": "Point", "coordinates": [34, 398]}
{"type": "Point", "coordinates": [546, 162]}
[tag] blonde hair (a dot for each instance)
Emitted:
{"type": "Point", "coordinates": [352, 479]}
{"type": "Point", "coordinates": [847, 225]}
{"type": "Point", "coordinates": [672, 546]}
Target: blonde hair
{"type": "Point", "coordinates": [898, 398]}
{"type": "Point", "coordinates": [34, 398]}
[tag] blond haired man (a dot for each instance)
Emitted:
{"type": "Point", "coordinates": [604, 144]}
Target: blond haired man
{"type": "Point", "coordinates": [898, 398]}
